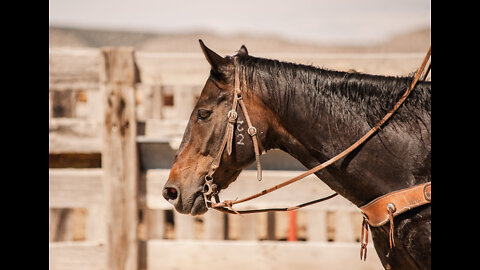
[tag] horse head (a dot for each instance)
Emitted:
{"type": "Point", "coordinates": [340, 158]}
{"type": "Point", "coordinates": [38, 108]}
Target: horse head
{"type": "Point", "coordinates": [203, 141]}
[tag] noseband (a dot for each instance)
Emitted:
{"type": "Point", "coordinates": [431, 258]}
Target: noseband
{"type": "Point", "coordinates": [209, 188]}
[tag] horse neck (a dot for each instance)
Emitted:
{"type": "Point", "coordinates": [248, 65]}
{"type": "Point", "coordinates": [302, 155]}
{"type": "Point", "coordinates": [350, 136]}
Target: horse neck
{"type": "Point", "coordinates": [312, 128]}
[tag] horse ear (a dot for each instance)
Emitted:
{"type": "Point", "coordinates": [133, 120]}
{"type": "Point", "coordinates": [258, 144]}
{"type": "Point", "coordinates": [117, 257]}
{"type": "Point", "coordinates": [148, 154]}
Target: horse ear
{"type": "Point", "coordinates": [243, 50]}
{"type": "Point", "coordinates": [213, 58]}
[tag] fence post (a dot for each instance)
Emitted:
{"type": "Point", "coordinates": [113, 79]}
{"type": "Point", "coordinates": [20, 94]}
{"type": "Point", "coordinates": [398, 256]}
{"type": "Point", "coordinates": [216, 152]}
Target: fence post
{"type": "Point", "coordinates": [119, 157]}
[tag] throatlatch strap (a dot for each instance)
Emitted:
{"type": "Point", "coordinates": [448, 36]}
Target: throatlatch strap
{"type": "Point", "coordinates": [391, 209]}
{"type": "Point", "coordinates": [364, 240]}
{"type": "Point", "coordinates": [252, 131]}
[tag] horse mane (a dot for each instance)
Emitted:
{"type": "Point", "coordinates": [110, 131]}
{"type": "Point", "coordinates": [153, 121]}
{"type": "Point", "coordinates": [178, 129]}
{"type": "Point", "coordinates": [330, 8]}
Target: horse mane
{"type": "Point", "coordinates": [295, 88]}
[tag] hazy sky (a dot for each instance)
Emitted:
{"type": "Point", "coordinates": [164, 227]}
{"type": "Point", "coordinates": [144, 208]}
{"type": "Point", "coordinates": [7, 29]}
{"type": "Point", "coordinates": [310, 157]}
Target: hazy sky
{"type": "Point", "coordinates": [341, 21]}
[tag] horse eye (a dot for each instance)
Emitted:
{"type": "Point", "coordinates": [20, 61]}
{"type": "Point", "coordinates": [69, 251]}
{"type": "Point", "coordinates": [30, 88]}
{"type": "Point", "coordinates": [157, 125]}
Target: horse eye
{"type": "Point", "coordinates": [203, 114]}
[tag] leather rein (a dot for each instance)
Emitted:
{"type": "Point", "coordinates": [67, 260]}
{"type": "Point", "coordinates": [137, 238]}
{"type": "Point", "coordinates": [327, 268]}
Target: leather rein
{"type": "Point", "coordinates": [210, 188]}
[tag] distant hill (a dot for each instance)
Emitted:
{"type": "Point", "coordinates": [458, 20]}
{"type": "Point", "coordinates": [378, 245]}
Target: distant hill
{"type": "Point", "coordinates": [416, 41]}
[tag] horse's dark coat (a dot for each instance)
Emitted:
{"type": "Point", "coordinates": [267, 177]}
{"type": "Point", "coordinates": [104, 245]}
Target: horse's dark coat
{"type": "Point", "coordinates": [314, 114]}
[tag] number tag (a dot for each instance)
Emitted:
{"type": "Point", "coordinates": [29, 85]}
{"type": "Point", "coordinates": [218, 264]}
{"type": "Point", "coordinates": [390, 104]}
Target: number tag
{"type": "Point", "coordinates": [240, 136]}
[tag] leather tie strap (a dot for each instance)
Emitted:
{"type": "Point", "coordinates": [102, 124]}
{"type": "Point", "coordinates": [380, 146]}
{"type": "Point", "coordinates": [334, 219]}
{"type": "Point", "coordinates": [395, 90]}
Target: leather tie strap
{"type": "Point", "coordinates": [364, 240]}
{"type": "Point", "coordinates": [391, 209]}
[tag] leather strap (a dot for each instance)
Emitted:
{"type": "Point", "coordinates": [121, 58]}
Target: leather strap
{"type": "Point", "coordinates": [252, 131]}
{"type": "Point", "coordinates": [385, 208]}
{"type": "Point", "coordinates": [364, 240]}
{"type": "Point", "coordinates": [229, 210]}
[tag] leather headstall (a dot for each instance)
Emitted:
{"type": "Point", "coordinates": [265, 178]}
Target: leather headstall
{"type": "Point", "coordinates": [210, 188]}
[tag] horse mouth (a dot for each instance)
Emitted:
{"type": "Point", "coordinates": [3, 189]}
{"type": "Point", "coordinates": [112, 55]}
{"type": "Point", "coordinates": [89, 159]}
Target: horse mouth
{"type": "Point", "coordinates": [198, 205]}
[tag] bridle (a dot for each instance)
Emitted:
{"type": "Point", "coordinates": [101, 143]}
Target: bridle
{"type": "Point", "coordinates": [210, 188]}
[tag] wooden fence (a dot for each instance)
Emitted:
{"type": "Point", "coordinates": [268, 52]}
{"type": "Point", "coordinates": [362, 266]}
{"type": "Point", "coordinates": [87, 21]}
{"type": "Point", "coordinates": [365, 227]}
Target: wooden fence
{"type": "Point", "coordinates": [328, 233]}
{"type": "Point", "coordinates": [107, 211]}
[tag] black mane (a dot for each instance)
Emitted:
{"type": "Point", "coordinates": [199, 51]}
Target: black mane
{"type": "Point", "coordinates": [289, 88]}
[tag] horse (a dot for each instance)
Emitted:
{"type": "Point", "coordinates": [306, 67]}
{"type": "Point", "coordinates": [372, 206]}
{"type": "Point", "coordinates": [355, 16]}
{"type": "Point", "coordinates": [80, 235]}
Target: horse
{"type": "Point", "coordinates": [312, 114]}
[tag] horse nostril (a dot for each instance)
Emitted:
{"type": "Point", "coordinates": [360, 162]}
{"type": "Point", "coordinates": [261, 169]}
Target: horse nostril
{"type": "Point", "coordinates": [170, 193]}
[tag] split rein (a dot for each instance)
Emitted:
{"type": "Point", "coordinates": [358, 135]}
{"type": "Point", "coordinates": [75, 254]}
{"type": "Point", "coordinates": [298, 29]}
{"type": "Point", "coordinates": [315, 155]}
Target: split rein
{"type": "Point", "coordinates": [210, 189]}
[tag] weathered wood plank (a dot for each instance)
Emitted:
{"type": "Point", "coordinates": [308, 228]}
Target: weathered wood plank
{"type": "Point", "coordinates": [152, 101]}
{"type": "Point", "coordinates": [74, 69]}
{"type": "Point", "coordinates": [248, 228]}
{"type": "Point", "coordinates": [155, 223]}
{"type": "Point", "coordinates": [184, 226]}
{"type": "Point", "coordinates": [77, 135]}
{"type": "Point", "coordinates": [74, 188]}
{"type": "Point", "coordinates": [71, 135]}
{"type": "Point", "coordinates": [119, 157]}
{"type": "Point", "coordinates": [244, 227]}
{"type": "Point", "coordinates": [165, 127]}
{"type": "Point", "coordinates": [344, 230]}
{"type": "Point", "coordinates": [316, 225]}
{"type": "Point", "coordinates": [96, 225]}
{"type": "Point", "coordinates": [214, 225]}
{"type": "Point", "coordinates": [167, 255]}
{"type": "Point", "coordinates": [77, 256]}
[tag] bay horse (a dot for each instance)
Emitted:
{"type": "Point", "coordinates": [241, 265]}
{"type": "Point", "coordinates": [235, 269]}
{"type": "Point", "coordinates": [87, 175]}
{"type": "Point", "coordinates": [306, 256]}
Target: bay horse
{"type": "Point", "coordinates": [312, 114]}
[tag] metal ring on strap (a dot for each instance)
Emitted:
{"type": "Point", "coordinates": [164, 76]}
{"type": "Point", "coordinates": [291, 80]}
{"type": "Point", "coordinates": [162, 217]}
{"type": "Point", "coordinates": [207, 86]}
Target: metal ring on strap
{"type": "Point", "coordinates": [232, 115]}
{"type": "Point", "coordinates": [252, 131]}
{"type": "Point", "coordinates": [207, 189]}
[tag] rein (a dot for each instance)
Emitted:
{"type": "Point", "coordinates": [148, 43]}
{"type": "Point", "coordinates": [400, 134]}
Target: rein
{"type": "Point", "coordinates": [210, 188]}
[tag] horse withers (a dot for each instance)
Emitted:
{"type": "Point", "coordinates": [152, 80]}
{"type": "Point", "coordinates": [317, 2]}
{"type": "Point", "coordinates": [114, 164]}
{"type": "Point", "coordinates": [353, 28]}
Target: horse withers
{"type": "Point", "coordinates": [313, 114]}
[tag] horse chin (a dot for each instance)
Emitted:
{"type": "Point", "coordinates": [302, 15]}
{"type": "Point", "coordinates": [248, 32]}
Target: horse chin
{"type": "Point", "coordinates": [198, 207]}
